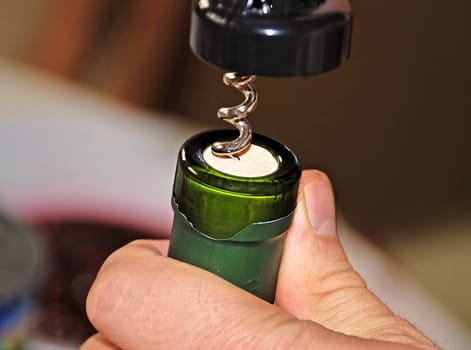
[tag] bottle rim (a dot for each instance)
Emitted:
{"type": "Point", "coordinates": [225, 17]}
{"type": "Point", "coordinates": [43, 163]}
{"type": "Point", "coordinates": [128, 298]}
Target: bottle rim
{"type": "Point", "coordinates": [287, 174]}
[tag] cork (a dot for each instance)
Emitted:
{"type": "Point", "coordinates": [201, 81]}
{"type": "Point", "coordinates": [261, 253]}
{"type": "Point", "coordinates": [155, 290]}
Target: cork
{"type": "Point", "coordinates": [255, 162]}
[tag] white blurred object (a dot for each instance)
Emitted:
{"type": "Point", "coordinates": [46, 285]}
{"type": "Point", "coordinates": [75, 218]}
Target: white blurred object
{"type": "Point", "coordinates": [66, 152]}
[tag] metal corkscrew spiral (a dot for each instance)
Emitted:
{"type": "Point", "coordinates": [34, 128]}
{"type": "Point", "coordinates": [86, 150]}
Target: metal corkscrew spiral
{"type": "Point", "coordinates": [237, 115]}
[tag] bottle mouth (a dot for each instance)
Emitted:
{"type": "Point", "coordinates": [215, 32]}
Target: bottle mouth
{"type": "Point", "coordinates": [281, 167]}
{"type": "Point", "coordinates": [220, 203]}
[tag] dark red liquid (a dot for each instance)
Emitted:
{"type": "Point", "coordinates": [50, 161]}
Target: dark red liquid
{"type": "Point", "coordinates": [74, 252]}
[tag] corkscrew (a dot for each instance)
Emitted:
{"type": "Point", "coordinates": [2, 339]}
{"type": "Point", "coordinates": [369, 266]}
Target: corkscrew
{"type": "Point", "coordinates": [237, 116]}
{"type": "Point", "coordinates": [276, 38]}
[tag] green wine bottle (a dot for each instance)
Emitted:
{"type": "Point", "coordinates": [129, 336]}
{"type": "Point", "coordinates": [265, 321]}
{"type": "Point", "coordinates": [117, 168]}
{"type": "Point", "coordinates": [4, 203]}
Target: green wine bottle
{"type": "Point", "coordinates": [231, 214]}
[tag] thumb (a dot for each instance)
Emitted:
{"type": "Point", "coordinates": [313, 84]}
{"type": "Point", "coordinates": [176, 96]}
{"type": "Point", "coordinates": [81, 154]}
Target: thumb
{"type": "Point", "coordinates": [142, 300]}
{"type": "Point", "coordinates": [316, 280]}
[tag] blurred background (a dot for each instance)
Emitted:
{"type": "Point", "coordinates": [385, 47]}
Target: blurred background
{"type": "Point", "coordinates": [391, 128]}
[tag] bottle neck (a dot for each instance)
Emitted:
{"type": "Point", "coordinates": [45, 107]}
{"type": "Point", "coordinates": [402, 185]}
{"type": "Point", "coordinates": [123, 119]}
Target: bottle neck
{"type": "Point", "coordinates": [220, 205]}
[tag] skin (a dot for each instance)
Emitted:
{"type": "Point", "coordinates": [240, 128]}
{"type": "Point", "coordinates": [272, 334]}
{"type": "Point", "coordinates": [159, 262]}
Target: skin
{"type": "Point", "coordinates": [144, 300]}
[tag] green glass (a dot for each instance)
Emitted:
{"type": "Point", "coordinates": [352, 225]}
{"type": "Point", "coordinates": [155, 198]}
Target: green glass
{"type": "Point", "coordinates": [230, 225]}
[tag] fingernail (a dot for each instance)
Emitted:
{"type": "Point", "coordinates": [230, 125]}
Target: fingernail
{"type": "Point", "coordinates": [320, 206]}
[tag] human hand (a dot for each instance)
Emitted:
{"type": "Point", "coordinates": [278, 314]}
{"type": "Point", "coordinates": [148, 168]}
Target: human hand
{"type": "Point", "coordinates": [144, 300]}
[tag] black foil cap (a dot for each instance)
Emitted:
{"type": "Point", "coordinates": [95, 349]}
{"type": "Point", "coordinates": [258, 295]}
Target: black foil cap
{"type": "Point", "coordinates": [278, 38]}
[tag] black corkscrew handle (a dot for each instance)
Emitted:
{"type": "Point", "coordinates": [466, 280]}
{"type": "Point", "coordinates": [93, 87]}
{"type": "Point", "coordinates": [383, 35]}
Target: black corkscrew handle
{"type": "Point", "coordinates": [278, 38]}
